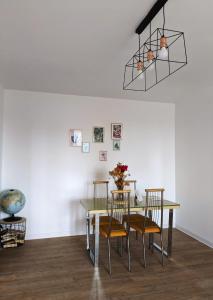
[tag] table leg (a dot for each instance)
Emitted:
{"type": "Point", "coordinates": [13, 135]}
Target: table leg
{"type": "Point", "coordinates": [88, 230]}
{"type": "Point", "coordinates": [169, 247]}
{"type": "Point", "coordinates": [168, 253]}
{"type": "Point", "coordinates": [96, 260]}
{"type": "Point", "coordinates": [151, 235]}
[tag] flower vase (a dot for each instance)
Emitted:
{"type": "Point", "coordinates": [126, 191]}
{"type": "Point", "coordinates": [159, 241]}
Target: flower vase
{"type": "Point", "coordinates": [120, 184]}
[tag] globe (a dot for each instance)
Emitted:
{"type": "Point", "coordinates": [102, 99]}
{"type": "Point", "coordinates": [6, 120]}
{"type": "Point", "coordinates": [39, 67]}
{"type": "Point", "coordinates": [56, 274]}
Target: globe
{"type": "Point", "coordinates": [12, 201]}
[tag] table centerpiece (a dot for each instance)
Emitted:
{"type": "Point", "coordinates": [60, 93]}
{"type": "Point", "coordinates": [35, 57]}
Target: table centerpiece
{"type": "Point", "coordinates": [119, 174]}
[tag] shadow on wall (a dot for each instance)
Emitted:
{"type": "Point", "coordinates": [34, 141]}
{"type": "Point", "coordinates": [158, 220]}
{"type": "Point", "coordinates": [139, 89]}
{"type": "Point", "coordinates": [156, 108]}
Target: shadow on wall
{"type": "Point", "coordinates": [77, 217]}
{"type": "Point", "coordinates": [99, 174]}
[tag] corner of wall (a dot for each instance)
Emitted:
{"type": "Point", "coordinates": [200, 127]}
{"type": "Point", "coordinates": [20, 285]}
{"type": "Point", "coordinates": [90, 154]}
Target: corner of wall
{"type": "Point", "coordinates": [1, 127]}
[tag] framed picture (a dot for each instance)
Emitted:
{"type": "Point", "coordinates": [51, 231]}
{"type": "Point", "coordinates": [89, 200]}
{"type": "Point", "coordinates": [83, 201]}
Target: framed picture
{"type": "Point", "coordinates": [116, 145]}
{"type": "Point", "coordinates": [75, 137]}
{"type": "Point", "coordinates": [117, 129]}
{"type": "Point", "coordinates": [103, 155]}
{"type": "Point", "coordinates": [85, 147]}
{"type": "Point", "coordinates": [98, 134]}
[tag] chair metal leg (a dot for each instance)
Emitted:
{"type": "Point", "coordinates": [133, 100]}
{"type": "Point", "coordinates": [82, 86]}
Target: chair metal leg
{"type": "Point", "coordinates": [144, 250]}
{"type": "Point", "coordinates": [162, 254]}
{"type": "Point", "coordinates": [118, 245]}
{"type": "Point", "coordinates": [88, 231]}
{"type": "Point", "coordinates": [128, 230]}
{"type": "Point", "coordinates": [109, 256]}
{"type": "Point", "coordinates": [121, 253]}
{"type": "Point", "coordinates": [129, 255]}
{"type": "Point", "coordinates": [151, 241]}
{"type": "Point", "coordinates": [93, 235]}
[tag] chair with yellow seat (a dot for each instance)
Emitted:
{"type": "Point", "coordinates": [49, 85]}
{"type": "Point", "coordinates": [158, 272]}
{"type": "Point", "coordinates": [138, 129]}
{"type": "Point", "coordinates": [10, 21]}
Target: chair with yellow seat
{"type": "Point", "coordinates": [104, 184]}
{"type": "Point", "coordinates": [117, 208]}
{"type": "Point", "coordinates": [103, 190]}
{"type": "Point", "coordinates": [134, 217]}
{"type": "Point", "coordinates": [153, 220]}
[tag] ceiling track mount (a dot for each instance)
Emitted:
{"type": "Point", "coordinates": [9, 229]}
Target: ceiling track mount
{"type": "Point", "coordinates": [150, 16]}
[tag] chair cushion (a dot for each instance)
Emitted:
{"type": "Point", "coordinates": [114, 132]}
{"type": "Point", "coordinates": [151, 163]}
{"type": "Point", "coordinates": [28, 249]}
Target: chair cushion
{"type": "Point", "coordinates": [117, 230]}
{"type": "Point", "coordinates": [150, 226]}
{"type": "Point", "coordinates": [104, 220]}
{"type": "Point", "coordinates": [133, 218]}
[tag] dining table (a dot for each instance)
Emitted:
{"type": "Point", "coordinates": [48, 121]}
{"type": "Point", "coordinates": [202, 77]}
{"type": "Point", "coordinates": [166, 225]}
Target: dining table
{"type": "Point", "coordinates": [98, 206]}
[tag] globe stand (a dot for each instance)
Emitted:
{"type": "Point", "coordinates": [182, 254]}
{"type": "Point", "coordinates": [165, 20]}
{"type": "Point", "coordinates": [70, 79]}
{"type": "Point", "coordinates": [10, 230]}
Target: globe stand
{"type": "Point", "coordinates": [12, 218]}
{"type": "Point", "coordinates": [12, 232]}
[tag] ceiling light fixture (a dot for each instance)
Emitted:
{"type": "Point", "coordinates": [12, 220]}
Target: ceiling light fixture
{"type": "Point", "coordinates": [163, 53]}
{"type": "Point", "coordinates": [140, 64]}
{"type": "Point", "coordinates": [150, 54]}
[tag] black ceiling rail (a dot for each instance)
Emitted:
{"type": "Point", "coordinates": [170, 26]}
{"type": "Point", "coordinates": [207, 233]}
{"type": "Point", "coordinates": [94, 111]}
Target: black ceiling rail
{"type": "Point", "coordinates": [150, 16]}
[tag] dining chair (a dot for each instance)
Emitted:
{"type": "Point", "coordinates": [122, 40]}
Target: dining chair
{"type": "Point", "coordinates": [134, 217]}
{"type": "Point", "coordinates": [118, 207]}
{"type": "Point", "coordinates": [131, 183]}
{"type": "Point", "coordinates": [104, 186]}
{"type": "Point", "coordinates": [153, 219]}
{"type": "Point", "coordinates": [97, 183]}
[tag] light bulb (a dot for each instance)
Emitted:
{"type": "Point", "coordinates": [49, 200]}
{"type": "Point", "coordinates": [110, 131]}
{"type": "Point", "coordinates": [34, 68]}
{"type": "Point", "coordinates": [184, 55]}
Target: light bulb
{"type": "Point", "coordinates": [140, 69]}
{"type": "Point", "coordinates": [150, 58]}
{"type": "Point", "coordinates": [141, 75]}
{"type": "Point", "coordinates": [151, 65]}
{"type": "Point", "coordinates": [163, 53]}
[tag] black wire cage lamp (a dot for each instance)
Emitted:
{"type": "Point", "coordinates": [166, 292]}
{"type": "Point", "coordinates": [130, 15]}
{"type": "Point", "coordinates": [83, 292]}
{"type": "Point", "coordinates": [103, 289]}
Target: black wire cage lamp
{"type": "Point", "coordinates": [161, 55]}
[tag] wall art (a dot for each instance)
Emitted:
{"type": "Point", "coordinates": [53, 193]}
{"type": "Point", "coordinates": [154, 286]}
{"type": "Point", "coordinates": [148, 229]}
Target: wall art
{"type": "Point", "coordinates": [117, 130]}
{"type": "Point", "coordinates": [75, 137]}
{"type": "Point", "coordinates": [98, 134]}
{"type": "Point", "coordinates": [103, 155]}
{"type": "Point", "coordinates": [85, 147]}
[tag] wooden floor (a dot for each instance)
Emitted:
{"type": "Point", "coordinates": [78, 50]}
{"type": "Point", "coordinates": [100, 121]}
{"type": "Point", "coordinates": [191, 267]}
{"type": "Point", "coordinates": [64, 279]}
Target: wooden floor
{"type": "Point", "coordinates": [60, 269]}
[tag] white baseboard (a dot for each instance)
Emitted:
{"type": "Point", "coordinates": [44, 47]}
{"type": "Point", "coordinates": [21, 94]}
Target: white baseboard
{"type": "Point", "coordinates": [195, 236]}
{"type": "Point", "coordinates": [36, 236]}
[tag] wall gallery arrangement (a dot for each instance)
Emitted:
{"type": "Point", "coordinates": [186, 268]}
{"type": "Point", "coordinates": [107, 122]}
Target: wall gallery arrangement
{"type": "Point", "coordinates": [98, 136]}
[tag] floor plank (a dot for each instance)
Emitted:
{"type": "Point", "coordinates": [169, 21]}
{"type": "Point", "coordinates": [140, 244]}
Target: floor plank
{"type": "Point", "coordinates": [59, 268]}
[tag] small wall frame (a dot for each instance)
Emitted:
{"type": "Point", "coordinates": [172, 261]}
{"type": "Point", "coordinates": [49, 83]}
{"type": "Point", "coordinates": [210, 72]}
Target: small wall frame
{"type": "Point", "coordinates": [98, 134]}
{"type": "Point", "coordinates": [116, 145]}
{"type": "Point", "coordinates": [75, 137]}
{"type": "Point", "coordinates": [116, 131]}
{"type": "Point", "coordinates": [103, 155]}
{"type": "Point", "coordinates": [85, 147]}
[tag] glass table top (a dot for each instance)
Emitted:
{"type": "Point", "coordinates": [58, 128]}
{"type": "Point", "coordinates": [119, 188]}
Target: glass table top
{"type": "Point", "coordinates": [99, 205]}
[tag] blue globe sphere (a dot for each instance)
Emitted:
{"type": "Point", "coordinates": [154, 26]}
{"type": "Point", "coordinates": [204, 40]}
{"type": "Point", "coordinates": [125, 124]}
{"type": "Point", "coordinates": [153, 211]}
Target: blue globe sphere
{"type": "Point", "coordinates": [12, 201]}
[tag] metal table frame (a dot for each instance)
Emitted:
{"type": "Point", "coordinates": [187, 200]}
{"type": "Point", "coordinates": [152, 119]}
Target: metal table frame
{"type": "Point", "coordinates": [94, 252]}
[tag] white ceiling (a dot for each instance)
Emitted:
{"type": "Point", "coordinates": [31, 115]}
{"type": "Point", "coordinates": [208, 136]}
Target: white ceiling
{"type": "Point", "coordinates": [80, 47]}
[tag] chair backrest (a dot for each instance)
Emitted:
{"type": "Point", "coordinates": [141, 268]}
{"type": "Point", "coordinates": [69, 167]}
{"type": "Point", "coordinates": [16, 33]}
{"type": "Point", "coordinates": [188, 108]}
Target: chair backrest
{"type": "Point", "coordinates": [119, 205]}
{"type": "Point", "coordinates": [154, 206]}
{"type": "Point", "coordinates": [102, 183]}
{"type": "Point", "coordinates": [134, 183]}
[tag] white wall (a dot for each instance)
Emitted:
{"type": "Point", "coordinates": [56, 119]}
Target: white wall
{"type": "Point", "coordinates": [38, 160]}
{"type": "Point", "coordinates": [1, 128]}
{"type": "Point", "coordinates": [194, 165]}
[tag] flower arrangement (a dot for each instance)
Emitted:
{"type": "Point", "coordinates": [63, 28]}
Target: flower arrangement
{"type": "Point", "coordinates": [119, 174]}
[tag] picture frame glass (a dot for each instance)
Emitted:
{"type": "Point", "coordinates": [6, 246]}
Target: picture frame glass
{"type": "Point", "coordinates": [117, 129]}
{"type": "Point", "coordinates": [116, 145]}
{"type": "Point", "coordinates": [85, 147]}
{"type": "Point", "coordinates": [75, 137]}
{"type": "Point", "coordinates": [103, 155]}
{"type": "Point", "coordinates": [98, 134]}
